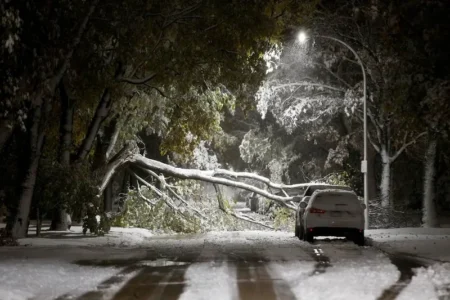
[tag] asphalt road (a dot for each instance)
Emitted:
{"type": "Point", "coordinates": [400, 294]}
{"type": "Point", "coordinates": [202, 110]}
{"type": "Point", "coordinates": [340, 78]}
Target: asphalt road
{"type": "Point", "coordinates": [253, 265]}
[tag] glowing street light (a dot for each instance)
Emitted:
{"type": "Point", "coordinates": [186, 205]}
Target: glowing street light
{"type": "Point", "coordinates": [302, 38]}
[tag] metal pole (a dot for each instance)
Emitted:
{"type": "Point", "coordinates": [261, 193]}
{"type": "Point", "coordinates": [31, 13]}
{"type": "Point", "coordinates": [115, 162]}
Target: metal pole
{"type": "Point", "coordinates": [364, 165]}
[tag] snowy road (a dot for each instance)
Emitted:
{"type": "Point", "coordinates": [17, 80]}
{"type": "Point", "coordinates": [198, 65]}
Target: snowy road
{"type": "Point", "coordinates": [222, 265]}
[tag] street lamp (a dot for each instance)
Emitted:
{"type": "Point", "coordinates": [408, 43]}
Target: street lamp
{"type": "Point", "coordinates": [302, 38]}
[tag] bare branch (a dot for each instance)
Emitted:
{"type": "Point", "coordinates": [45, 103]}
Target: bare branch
{"type": "Point", "coordinates": [137, 80]}
{"type": "Point", "coordinates": [157, 89]}
{"type": "Point", "coordinates": [148, 201]}
{"type": "Point", "coordinates": [375, 146]}
{"type": "Point", "coordinates": [406, 145]}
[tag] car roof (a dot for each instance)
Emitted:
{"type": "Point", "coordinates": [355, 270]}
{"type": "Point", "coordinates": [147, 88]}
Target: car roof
{"type": "Point", "coordinates": [313, 188]}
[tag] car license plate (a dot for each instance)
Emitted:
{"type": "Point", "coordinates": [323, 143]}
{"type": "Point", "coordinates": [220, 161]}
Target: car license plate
{"type": "Point", "coordinates": [336, 214]}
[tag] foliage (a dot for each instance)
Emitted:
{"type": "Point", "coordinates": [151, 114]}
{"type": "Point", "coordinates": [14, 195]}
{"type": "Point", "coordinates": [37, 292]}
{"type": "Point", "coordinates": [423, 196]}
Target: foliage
{"type": "Point", "coordinates": [156, 217]}
{"type": "Point", "coordinates": [284, 218]}
{"type": "Point", "coordinates": [70, 187]}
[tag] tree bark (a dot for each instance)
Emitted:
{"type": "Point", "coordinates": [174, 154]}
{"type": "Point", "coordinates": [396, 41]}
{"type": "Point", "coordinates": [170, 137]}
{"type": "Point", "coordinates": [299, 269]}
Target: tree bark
{"type": "Point", "coordinates": [66, 126]}
{"type": "Point", "coordinates": [108, 198]}
{"type": "Point", "coordinates": [112, 132]}
{"type": "Point", "coordinates": [6, 129]}
{"type": "Point", "coordinates": [429, 217]}
{"type": "Point", "coordinates": [385, 185]}
{"type": "Point", "coordinates": [59, 218]}
{"type": "Point", "coordinates": [101, 113]}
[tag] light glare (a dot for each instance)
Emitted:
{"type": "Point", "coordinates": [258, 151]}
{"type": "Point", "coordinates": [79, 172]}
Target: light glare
{"type": "Point", "coordinates": [302, 37]}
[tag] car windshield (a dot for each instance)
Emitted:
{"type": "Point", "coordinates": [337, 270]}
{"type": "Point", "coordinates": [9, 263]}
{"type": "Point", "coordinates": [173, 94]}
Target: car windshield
{"type": "Point", "coordinates": [337, 201]}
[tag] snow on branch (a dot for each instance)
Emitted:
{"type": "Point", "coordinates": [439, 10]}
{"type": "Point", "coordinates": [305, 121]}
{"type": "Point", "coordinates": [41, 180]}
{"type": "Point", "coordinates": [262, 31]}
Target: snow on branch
{"type": "Point", "coordinates": [207, 176]}
{"type": "Point", "coordinates": [265, 180]}
{"type": "Point", "coordinates": [167, 200]}
{"type": "Point", "coordinates": [166, 186]}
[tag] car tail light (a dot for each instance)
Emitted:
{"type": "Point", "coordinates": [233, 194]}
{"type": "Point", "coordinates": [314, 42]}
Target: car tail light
{"type": "Point", "coordinates": [314, 210]}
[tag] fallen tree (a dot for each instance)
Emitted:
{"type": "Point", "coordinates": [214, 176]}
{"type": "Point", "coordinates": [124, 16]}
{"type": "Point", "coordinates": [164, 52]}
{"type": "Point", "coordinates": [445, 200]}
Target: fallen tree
{"type": "Point", "coordinates": [155, 169]}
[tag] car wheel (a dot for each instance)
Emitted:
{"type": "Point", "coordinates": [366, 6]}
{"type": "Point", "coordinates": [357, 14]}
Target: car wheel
{"type": "Point", "coordinates": [308, 236]}
{"type": "Point", "coordinates": [358, 238]}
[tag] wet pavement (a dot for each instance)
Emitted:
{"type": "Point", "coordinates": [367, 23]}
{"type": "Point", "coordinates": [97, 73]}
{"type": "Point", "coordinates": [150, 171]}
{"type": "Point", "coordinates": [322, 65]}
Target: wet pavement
{"type": "Point", "coordinates": [240, 265]}
{"type": "Point", "coordinates": [157, 277]}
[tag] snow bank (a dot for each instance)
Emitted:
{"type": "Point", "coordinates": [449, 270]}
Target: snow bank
{"type": "Point", "coordinates": [431, 244]}
{"type": "Point", "coordinates": [117, 237]}
{"type": "Point", "coordinates": [429, 283]}
{"type": "Point", "coordinates": [39, 279]}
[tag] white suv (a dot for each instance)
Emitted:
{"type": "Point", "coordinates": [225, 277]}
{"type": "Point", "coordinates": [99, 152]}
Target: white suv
{"type": "Point", "coordinates": [332, 213]}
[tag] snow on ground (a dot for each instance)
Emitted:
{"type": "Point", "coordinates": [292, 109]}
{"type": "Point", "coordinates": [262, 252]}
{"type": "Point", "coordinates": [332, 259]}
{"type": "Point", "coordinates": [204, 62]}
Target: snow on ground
{"type": "Point", "coordinates": [127, 237]}
{"type": "Point", "coordinates": [46, 279]}
{"type": "Point", "coordinates": [348, 272]}
{"type": "Point", "coordinates": [431, 244]}
{"type": "Point", "coordinates": [327, 269]}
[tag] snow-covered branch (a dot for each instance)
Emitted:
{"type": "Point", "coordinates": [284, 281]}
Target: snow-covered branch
{"type": "Point", "coordinates": [308, 84]}
{"type": "Point", "coordinates": [265, 180]}
{"type": "Point", "coordinates": [207, 176]}
{"type": "Point", "coordinates": [171, 190]}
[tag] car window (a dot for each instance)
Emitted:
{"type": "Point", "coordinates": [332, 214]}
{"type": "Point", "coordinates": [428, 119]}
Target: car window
{"type": "Point", "coordinates": [336, 201]}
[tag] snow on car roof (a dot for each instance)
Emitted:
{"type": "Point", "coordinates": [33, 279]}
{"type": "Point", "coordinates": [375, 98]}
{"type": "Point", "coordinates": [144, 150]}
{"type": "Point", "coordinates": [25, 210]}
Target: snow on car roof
{"type": "Point", "coordinates": [334, 191]}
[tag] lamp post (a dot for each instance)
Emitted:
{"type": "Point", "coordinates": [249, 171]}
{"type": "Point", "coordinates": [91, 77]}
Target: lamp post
{"type": "Point", "coordinates": [302, 37]}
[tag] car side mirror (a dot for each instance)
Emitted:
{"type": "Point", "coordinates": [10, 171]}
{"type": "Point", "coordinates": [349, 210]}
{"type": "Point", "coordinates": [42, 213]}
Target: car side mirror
{"type": "Point", "coordinates": [303, 204]}
{"type": "Point", "coordinates": [364, 206]}
{"type": "Point", "coordinates": [297, 199]}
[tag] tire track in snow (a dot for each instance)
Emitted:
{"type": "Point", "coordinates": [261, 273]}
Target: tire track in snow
{"type": "Point", "coordinates": [151, 283]}
{"type": "Point", "coordinates": [153, 279]}
{"type": "Point", "coordinates": [254, 282]}
{"type": "Point", "coordinates": [405, 265]}
{"type": "Point", "coordinates": [322, 261]}
{"type": "Point", "coordinates": [105, 285]}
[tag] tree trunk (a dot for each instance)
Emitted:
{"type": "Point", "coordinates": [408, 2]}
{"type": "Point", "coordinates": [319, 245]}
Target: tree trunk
{"type": "Point", "coordinates": [108, 198]}
{"type": "Point", "coordinates": [66, 126]}
{"type": "Point", "coordinates": [429, 217]}
{"type": "Point", "coordinates": [38, 222]}
{"type": "Point", "coordinates": [20, 223]}
{"type": "Point", "coordinates": [254, 204]}
{"type": "Point", "coordinates": [112, 132]}
{"type": "Point", "coordinates": [6, 129]}
{"type": "Point", "coordinates": [385, 185]}
{"type": "Point", "coordinates": [101, 113]}
{"type": "Point", "coordinates": [59, 218]}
